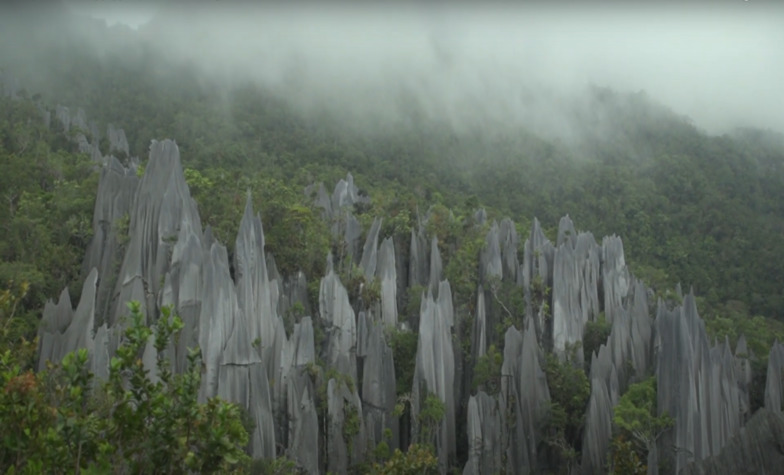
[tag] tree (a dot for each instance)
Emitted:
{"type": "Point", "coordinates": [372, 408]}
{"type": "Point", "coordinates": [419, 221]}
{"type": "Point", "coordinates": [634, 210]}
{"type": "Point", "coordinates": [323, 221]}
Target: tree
{"type": "Point", "coordinates": [64, 420]}
{"type": "Point", "coordinates": [636, 419]}
{"type": "Point", "coordinates": [418, 459]}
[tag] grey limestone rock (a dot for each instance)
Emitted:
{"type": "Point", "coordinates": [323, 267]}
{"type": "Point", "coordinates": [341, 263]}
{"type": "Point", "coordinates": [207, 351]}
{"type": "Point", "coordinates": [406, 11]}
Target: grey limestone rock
{"type": "Point", "coordinates": [303, 429]}
{"type": "Point", "coordinates": [370, 250]}
{"type": "Point", "coordinates": [536, 267]}
{"type": "Point", "coordinates": [219, 314]}
{"type": "Point", "coordinates": [490, 258]}
{"type": "Point", "coordinates": [615, 275]}
{"type": "Point", "coordinates": [242, 379]}
{"type": "Point", "coordinates": [386, 271]}
{"type": "Point", "coordinates": [64, 329]}
{"type": "Point", "coordinates": [566, 232]}
{"type": "Point", "coordinates": [336, 310]}
{"type": "Point", "coordinates": [525, 393]}
{"type": "Point", "coordinates": [337, 211]}
{"type": "Point", "coordinates": [346, 193]}
{"type": "Point", "coordinates": [117, 140]}
{"type": "Point", "coordinates": [743, 358]}
{"type": "Point", "coordinates": [294, 292]}
{"type": "Point", "coordinates": [46, 115]}
{"type": "Point", "coordinates": [256, 293]}
{"type": "Point", "coordinates": [100, 358]}
{"type": "Point", "coordinates": [641, 329]}
{"type": "Point", "coordinates": [568, 319]}
{"type": "Point", "coordinates": [516, 449]}
{"type": "Point", "coordinates": [598, 428]}
{"type": "Point", "coordinates": [185, 282]}
{"type": "Point", "coordinates": [508, 241]}
{"type": "Point", "coordinates": [436, 269]}
{"type": "Point", "coordinates": [757, 449]}
{"type": "Point", "coordinates": [697, 386]}
{"type": "Point", "coordinates": [346, 428]}
{"type": "Point", "coordinates": [484, 435]}
{"type": "Point", "coordinates": [774, 386]}
{"type": "Point", "coordinates": [575, 286]}
{"type": "Point", "coordinates": [480, 216]}
{"type": "Point", "coordinates": [79, 120]}
{"type": "Point", "coordinates": [322, 199]}
{"type": "Point", "coordinates": [419, 259]}
{"type": "Point", "coordinates": [63, 115]}
{"type": "Point", "coordinates": [434, 372]}
{"type": "Point", "coordinates": [378, 388]}
{"type": "Point", "coordinates": [54, 323]}
{"type": "Point", "coordinates": [163, 212]}
{"type": "Point", "coordinates": [351, 234]}
{"type": "Point", "coordinates": [479, 343]}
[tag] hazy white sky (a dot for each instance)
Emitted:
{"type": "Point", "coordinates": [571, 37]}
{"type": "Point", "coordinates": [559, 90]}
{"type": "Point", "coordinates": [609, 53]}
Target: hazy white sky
{"type": "Point", "coordinates": [127, 12]}
{"type": "Point", "coordinates": [720, 63]}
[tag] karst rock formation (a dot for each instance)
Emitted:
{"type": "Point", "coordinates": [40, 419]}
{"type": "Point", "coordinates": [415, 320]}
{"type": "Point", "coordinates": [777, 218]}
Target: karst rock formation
{"type": "Point", "coordinates": [324, 391]}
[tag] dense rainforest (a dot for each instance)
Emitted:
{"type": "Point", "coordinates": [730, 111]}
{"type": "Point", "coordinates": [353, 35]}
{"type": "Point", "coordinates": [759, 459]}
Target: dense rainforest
{"type": "Point", "coordinates": [694, 210]}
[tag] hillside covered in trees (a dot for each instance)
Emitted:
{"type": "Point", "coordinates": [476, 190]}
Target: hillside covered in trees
{"type": "Point", "coordinates": [356, 288]}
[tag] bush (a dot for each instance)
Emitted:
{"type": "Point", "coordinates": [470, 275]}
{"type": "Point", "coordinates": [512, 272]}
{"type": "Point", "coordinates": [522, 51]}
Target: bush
{"type": "Point", "coordinates": [64, 420]}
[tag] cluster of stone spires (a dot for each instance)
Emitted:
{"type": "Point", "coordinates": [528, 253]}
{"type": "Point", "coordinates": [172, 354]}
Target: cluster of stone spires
{"type": "Point", "coordinates": [167, 258]}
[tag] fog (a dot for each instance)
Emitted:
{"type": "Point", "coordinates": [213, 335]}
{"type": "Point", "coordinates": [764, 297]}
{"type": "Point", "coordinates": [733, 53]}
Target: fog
{"type": "Point", "coordinates": [721, 65]}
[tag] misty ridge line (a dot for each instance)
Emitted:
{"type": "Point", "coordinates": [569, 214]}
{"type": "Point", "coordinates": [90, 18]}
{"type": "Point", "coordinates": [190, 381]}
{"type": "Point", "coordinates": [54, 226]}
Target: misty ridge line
{"type": "Point", "coordinates": [484, 68]}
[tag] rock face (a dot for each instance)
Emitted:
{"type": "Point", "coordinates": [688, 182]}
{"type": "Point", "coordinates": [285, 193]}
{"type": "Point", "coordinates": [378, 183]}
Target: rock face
{"type": "Point", "coordinates": [64, 329]}
{"type": "Point", "coordinates": [336, 310]}
{"type": "Point", "coordinates": [338, 211]}
{"type": "Point", "coordinates": [242, 378]}
{"type": "Point", "coordinates": [774, 386]}
{"type": "Point", "coordinates": [257, 295]}
{"type": "Point", "coordinates": [435, 369]}
{"type": "Point", "coordinates": [484, 431]}
{"type": "Point", "coordinates": [378, 387]}
{"type": "Point", "coordinates": [757, 449]}
{"type": "Point", "coordinates": [386, 271]}
{"type": "Point", "coordinates": [697, 386]}
{"type": "Point", "coordinates": [325, 395]}
{"type": "Point", "coordinates": [525, 394]}
{"type": "Point", "coordinates": [111, 221]}
{"type": "Point", "coordinates": [117, 140]}
{"type": "Point", "coordinates": [163, 212]}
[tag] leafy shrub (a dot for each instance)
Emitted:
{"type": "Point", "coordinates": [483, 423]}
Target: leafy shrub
{"type": "Point", "coordinates": [64, 420]}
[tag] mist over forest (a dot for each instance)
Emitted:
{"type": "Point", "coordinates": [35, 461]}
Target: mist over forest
{"type": "Point", "coordinates": [475, 67]}
{"type": "Point", "coordinates": [544, 218]}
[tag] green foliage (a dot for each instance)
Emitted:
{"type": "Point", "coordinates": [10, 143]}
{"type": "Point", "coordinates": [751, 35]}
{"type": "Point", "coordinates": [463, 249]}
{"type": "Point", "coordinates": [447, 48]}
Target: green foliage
{"type": "Point", "coordinates": [540, 295]}
{"type": "Point", "coordinates": [731, 320]}
{"type": "Point", "coordinates": [414, 302]}
{"type": "Point", "coordinates": [351, 426]}
{"type": "Point", "coordinates": [404, 347]}
{"type": "Point", "coordinates": [64, 420]}
{"type": "Point", "coordinates": [417, 460]}
{"type": "Point", "coordinates": [487, 371]}
{"type": "Point", "coordinates": [462, 263]}
{"type": "Point", "coordinates": [595, 335]}
{"type": "Point", "coordinates": [624, 459]}
{"type": "Point", "coordinates": [13, 329]}
{"type": "Point", "coordinates": [121, 226]}
{"type": "Point", "coordinates": [636, 417]}
{"type": "Point", "coordinates": [278, 466]}
{"type": "Point", "coordinates": [358, 286]}
{"type": "Point", "coordinates": [569, 392]}
{"type": "Point", "coordinates": [48, 191]}
{"type": "Point", "coordinates": [511, 299]}
{"type": "Point", "coordinates": [430, 417]}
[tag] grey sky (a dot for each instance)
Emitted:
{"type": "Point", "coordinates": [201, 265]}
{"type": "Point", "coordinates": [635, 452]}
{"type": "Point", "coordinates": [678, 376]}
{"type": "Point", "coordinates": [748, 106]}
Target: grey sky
{"type": "Point", "coordinates": [722, 64]}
